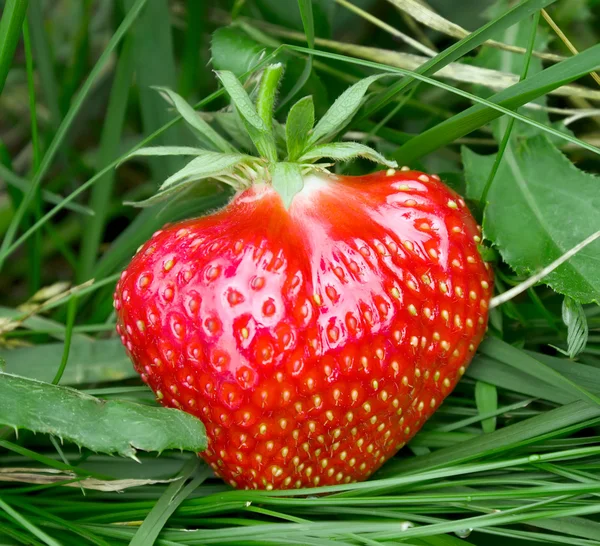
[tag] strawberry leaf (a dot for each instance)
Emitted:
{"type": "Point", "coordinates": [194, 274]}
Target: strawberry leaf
{"type": "Point", "coordinates": [345, 151]}
{"type": "Point", "coordinates": [287, 181]}
{"type": "Point", "coordinates": [342, 110]}
{"type": "Point", "coordinates": [206, 166]}
{"type": "Point", "coordinates": [232, 49]}
{"type": "Point", "coordinates": [256, 127]}
{"type": "Point", "coordinates": [300, 121]}
{"type": "Point", "coordinates": [102, 426]}
{"type": "Point", "coordinates": [201, 130]}
{"type": "Point", "coordinates": [540, 206]}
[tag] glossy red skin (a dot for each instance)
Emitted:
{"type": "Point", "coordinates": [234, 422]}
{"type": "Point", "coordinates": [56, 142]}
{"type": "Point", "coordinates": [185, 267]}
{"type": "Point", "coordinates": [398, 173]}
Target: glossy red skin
{"type": "Point", "coordinates": [314, 343]}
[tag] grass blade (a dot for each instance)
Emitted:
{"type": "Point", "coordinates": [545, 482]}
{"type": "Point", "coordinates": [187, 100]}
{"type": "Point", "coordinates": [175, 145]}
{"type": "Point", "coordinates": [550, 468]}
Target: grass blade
{"type": "Point", "coordinates": [458, 50]}
{"type": "Point", "coordinates": [169, 501]}
{"type": "Point", "coordinates": [26, 524]}
{"type": "Point", "coordinates": [517, 95]}
{"type": "Point", "coordinates": [109, 150]}
{"type": "Point", "coordinates": [11, 25]}
{"type": "Point", "coordinates": [65, 125]}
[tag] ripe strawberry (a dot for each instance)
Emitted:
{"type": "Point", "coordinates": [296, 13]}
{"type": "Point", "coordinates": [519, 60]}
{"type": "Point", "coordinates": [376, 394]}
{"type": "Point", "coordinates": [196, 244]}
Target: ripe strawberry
{"type": "Point", "coordinates": [315, 339]}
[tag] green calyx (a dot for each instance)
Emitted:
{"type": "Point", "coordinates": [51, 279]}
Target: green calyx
{"type": "Point", "coordinates": [273, 153]}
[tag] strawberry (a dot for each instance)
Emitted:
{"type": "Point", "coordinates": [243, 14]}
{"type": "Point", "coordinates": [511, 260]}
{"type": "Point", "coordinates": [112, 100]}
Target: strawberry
{"type": "Point", "coordinates": [312, 331]}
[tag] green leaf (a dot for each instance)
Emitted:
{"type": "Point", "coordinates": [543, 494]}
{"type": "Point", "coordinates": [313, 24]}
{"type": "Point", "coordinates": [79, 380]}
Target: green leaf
{"type": "Point", "coordinates": [287, 181]}
{"type": "Point", "coordinates": [99, 425]}
{"type": "Point", "coordinates": [342, 110]}
{"type": "Point", "coordinates": [233, 50]}
{"type": "Point", "coordinates": [300, 121]}
{"type": "Point", "coordinates": [574, 317]}
{"type": "Point", "coordinates": [206, 165]}
{"type": "Point", "coordinates": [541, 206]}
{"type": "Point", "coordinates": [202, 130]}
{"type": "Point", "coordinates": [486, 398]}
{"type": "Point", "coordinates": [256, 127]}
{"type": "Point", "coordinates": [241, 100]}
{"type": "Point", "coordinates": [344, 151]}
{"type": "Point", "coordinates": [90, 361]}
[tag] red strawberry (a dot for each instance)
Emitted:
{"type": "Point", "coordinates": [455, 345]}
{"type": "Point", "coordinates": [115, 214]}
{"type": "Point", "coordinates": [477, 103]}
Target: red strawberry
{"type": "Point", "coordinates": [313, 341]}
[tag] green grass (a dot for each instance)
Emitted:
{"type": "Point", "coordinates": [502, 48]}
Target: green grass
{"type": "Point", "coordinates": [512, 456]}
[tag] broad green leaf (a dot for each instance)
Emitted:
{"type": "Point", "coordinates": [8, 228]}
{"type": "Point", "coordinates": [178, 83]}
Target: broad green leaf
{"type": "Point", "coordinates": [344, 151]}
{"type": "Point", "coordinates": [201, 129]}
{"type": "Point", "coordinates": [342, 110]}
{"type": "Point", "coordinates": [516, 95]}
{"type": "Point", "coordinates": [90, 361]}
{"type": "Point", "coordinates": [256, 127]}
{"type": "Point", "coordinates": [287, 180]}
{"type": "Point", "coordinates": [206, 165]}
{"type": "Point", "coordinates": [574, 318]}
{"type": "Point", "coordinates": [486, 398]}
{"type": "Point", "coordinates": [234, 50]}
{"type": "Point", "coordinates": [541, 206]}
{"type": "Point", "coordinates": [300, 121]}
{"type": "Point", "coordinates": [99, 425]}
